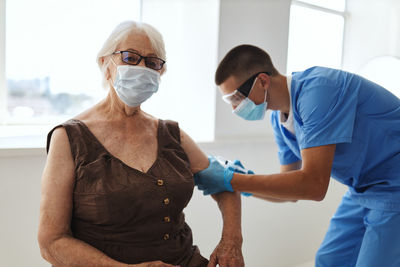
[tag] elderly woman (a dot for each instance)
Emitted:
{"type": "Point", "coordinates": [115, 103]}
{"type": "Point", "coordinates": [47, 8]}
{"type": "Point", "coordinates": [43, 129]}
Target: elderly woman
{"type": "Point", "coordinates": [117, 179]}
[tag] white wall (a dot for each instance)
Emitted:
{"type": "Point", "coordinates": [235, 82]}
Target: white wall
{"type": "Point", "coordinates": [191, 60]}
{"type": "Point", "coordinates": [372, 29]}
{"type": "Point", "coordinates": [20, 174]}
{"type": "Point", "coordinates": [264, 23]}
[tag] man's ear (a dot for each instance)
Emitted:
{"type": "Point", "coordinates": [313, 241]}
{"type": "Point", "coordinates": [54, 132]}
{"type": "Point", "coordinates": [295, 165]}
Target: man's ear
{"type": "Point", "coordinates": [265, 80]}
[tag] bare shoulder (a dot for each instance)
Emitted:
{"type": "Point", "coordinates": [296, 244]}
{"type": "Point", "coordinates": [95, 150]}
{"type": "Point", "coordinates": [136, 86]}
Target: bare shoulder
{"type": "Point", "coordinates": [198, 160]}
{"type": "Point", "coordinates": [186, 140]}
{"type": "Point", "coordinates": [60, 161]}
{"type": "Point", "coordinates": [60, 164]}
{"type": "Point", "coordinates": [59, 141]}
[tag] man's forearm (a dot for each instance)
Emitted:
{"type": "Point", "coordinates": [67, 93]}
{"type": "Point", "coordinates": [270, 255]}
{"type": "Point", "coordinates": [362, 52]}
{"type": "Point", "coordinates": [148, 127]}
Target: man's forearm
{"type": "Point", "coordinates": [229, 204]}
{"type": "Point", "coordinates": [271, 199]}
{"type": "Point", "coordinates": [293, 185]}
{"type": "Point", "coordinates": [68, 251]}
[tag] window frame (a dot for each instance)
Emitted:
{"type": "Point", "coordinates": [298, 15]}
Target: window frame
{"type": "Point", "coordinates": [3, 87]}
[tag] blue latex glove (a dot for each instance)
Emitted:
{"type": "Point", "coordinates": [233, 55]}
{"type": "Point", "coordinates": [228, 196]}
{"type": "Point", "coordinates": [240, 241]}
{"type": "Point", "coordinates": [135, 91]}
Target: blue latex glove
{"type": "Point", "coordinates": [237, 166]}
{"type": "Point", "coordinates": [215, 179]}
{"type": "Point", "coordinates": [219, 170]}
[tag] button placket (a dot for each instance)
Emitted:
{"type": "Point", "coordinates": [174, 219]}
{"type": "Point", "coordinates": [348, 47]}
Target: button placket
{"type": "Point", "coordinates": [166, 201]}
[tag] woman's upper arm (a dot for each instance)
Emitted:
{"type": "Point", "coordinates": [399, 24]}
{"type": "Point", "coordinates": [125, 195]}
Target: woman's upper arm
{"type": "Point", "coordinates": [57, 189]}
{"type": "Point", "coordinates": [198, 160]}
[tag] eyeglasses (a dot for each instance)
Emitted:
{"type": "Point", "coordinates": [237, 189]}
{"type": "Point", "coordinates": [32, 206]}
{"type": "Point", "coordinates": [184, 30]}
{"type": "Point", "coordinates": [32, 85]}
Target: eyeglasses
{"type": "Point", "coordinates": [133, 58]}
{"type": "Point", "coordinates": [242, 91]}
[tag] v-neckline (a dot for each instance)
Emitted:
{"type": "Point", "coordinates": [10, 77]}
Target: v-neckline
{"type": "Point", "coordinates": [118, 159]}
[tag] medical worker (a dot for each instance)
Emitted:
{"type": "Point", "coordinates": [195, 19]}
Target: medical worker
{"type": "Point", "coordinates": [327, 123]}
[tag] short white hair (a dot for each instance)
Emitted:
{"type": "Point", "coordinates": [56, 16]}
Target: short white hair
{"type": "Point", "coordinates": [119, 34]}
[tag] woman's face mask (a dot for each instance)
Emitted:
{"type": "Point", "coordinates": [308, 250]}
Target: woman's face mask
{"type": "Point", "coordinates": [135, 84]}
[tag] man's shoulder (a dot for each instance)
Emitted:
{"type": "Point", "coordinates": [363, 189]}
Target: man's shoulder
{"type": "Point", "coordinates": [317, 72]}
{"type": "Point", "coordinates": [318, 77]}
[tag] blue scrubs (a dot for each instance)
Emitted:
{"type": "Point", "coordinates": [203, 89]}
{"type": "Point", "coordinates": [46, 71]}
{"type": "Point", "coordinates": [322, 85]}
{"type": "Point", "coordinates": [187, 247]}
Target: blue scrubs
{"type": "Point", "coordinates": [363, 120]}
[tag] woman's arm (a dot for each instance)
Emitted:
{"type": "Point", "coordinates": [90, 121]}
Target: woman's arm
{"type": "Point", "coordinates": [57, 245]}
{"type": "Point", "coordinates": [229, 249]}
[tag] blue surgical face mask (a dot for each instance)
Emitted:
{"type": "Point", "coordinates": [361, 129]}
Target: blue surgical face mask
{"type": "Point", "coordinates": [249, 111]}
{"type": "Point", "coordinates": [135, 84]}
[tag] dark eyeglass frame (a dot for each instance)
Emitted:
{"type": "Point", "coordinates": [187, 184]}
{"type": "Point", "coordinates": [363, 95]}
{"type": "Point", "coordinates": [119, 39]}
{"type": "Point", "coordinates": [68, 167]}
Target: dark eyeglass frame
{"type": "Point", "coordinates": [140, 59]}
{"type": "Point", "coordinates": [245, 88]}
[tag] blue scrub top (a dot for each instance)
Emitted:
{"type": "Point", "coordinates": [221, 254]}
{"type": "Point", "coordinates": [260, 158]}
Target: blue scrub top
{"type": "Point", "coordinates": [363, 120]}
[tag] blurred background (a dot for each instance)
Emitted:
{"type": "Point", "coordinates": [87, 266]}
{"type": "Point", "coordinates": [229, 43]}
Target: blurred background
{"type": "Point", "coordinates": [48, 74]}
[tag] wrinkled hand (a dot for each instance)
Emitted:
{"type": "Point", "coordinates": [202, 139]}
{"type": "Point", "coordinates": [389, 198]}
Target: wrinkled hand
{"type": "Point", "coordinates": [228, 253]}
{"type": "Point", "coordinates": [152, 264]}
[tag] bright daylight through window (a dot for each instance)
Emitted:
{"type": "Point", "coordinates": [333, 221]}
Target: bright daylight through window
{"type": "Point", "coordinates": [51, 47]}
{"type": "Point", "coordinates": [315, 34]}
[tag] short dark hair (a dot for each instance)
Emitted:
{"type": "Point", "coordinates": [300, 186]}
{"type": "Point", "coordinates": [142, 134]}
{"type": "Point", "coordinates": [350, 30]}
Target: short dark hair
{"type": "Point", "coordinates": [243, 61]}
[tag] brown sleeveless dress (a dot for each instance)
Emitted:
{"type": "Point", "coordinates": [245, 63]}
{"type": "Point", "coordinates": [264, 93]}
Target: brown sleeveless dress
{"type": "Point", "coordinates": [130, 215]}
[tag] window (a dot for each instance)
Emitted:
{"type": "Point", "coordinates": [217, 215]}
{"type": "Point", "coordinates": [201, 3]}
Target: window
{"type": "Point", "coordinates": [51, 46]}
{"type": "Point", "coordinates": [315, 34]}
{"type": "Point", "coordinates": [51, 49]}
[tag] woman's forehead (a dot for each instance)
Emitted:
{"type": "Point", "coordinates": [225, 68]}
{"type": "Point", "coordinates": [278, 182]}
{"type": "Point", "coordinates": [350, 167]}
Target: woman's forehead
{"type": "Point", "coordinates": [138, 42]}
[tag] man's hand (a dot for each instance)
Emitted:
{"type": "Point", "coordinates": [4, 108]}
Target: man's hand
{"type": "Point", "coordinates": [228, 253]}
{"type": "Point", "coordinates": [215, 179]}
{"type": "Point", "coordinates": [237, 166]}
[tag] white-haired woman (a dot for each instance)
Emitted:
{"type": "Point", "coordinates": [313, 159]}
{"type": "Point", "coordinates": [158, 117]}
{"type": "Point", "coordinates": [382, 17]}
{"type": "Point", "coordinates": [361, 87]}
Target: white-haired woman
{"type": "Point", "coordinates": [117, 179]}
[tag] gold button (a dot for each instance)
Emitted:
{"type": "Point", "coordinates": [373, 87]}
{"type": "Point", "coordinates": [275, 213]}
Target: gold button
{"type": "Point", "coordinates": [166, 201]}
{"type": "Point", "coordinates": [166, 236]}
{"type": "Point", "coordinates": [167, 219]}
{"type": "Point", "coordinates": [160, 182]}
